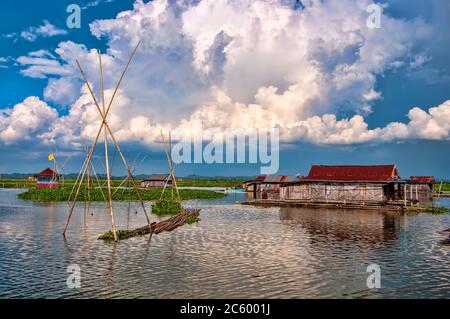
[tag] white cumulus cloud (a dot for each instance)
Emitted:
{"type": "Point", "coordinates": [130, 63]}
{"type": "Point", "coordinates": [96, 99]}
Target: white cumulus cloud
{"type": "Point", "coordinates": [45, 30]}
{"type": "Point", "coordinates": [26, 120]}
{"type": "Point", "coordinates": [240, 64]}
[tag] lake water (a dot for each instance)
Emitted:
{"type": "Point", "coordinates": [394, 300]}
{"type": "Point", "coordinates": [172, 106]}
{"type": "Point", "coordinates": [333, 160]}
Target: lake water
{"type": "Point", "coordinates": [234, 252]}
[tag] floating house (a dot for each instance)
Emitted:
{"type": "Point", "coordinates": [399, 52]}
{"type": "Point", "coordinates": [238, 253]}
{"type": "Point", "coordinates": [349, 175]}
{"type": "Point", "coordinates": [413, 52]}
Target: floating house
{"type": "Point", "coordinates": [424, 186]}
{"type": "Point", "coordinates": [345, 183]}
{"type": "Point", "coordinates": [268, 187]}
{"type": "Point", "coordinates": [378, 184]}
{"type": "Point", "coordinates": [157, 181]}
{"type": "Point", "coordinates": [250, 185]}
{"type": "Point", "coordinates": [48, 178]}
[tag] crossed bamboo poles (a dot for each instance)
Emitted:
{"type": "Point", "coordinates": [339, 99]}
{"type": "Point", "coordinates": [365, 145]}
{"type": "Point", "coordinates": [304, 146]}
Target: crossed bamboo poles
{"type": "Point", "coordinates": [168, 150]}
{"type": "Point", "coordinates": [104, 126]}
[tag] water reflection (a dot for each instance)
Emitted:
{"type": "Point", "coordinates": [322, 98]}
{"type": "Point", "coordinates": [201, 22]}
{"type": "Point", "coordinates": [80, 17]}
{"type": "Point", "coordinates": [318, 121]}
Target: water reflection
{"type": "Point", "coordinates": [234, 252]}
{"type": "Point", "coordinates": [353, 225]}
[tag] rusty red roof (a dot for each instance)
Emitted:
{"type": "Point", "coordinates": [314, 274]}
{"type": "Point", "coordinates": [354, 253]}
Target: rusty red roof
{"type": "Point", "coordinates": [350, 173]}
{"type": "Point", "coordinates": [273, 179]}
{"type": "Point", "coordinates": [47, 172]}
{"type": "Point", "coordinates": [423, 179]}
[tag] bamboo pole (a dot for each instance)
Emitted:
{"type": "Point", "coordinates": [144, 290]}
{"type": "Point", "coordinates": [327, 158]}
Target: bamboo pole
{"type": "Point", "coordinates": [88, 192]}
{"type": "Point", "coordinates": [91, 151]}
{"type": "Point", "coordinates": [94, 144]}
{"type": "Point", "coordinates": [98, 181]}
{"type": "Point", "coordinates": [133, 166]}
{"type": "Point", "coordinates": [76, 181]}
{"type": "Point", "coordinates": [91, 166]}
{"type": "Point", "coordinates": [417, 196]}
{"type": "Point", "coordinates": [169, 158]}
{"type": "Point", "coordinates": [165, 186]}
{"type": "Point", "coordinates": [166, 182]}
{"type": "Point", "coordinates": [440, 189]}
{"type": "Point", "coordinates": [405, 193]}
{"type": "Point", "coordinates": [130, 174]}
{"type": "Point", "coordinates": [170, 153]}
{"type": "Point", "coordinates": [105, 139]}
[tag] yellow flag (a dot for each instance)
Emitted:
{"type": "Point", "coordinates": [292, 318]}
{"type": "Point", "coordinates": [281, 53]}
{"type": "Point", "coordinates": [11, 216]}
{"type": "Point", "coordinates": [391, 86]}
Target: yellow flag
{"type": "Point", "coordinates": [51, 157]}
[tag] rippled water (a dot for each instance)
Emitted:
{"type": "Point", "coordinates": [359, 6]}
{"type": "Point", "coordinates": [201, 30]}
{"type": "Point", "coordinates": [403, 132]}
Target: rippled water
{"type": "Point", "coordinates": [235, 251]}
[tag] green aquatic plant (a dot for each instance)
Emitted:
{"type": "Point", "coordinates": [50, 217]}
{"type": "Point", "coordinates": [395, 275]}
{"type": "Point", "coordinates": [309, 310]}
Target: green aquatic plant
{"type": "Point", "coordinates": [95, 194]}
{"type": "Point", "coordinates": [436, 210]}
{"type": "Point", "coordinates": [109, 235]}
{"type": "Point", "coordinates": [166, 207]}
{"type": "Point", "coordinates": [191, 219]}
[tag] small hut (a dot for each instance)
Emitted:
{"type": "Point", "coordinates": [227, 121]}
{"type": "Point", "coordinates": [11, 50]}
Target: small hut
{"type": "Point", "coordinates": [377, 183]}
{"type": "Point", "coordinates": [48, 178]}
{"type": "Point", "coordinates": [157, 181]}
{"type": "Point", "coordinates": [358, 183]}
{"type": "Point", "coordinates": [268, 187]}
{"type": "Point", "coordinates": [424, 186]}
{"type": "Point", "coordinates": [425, 180]}
{"type": "Point", "coordinates": [250, 185]}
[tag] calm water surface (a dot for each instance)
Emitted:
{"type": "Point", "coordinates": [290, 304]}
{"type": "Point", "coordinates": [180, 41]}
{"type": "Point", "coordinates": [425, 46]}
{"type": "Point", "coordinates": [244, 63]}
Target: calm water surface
{"type": "Point", "coordinates": [234, 252]}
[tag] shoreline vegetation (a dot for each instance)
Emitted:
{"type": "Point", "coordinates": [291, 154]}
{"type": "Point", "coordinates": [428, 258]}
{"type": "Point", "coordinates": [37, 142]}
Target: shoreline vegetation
{"type": "Point", "coordinates": [95, 195]}
{"type": "Point", "coordinates": [182, 182]}
{"type": "Point", "coordinates": [123, 194]}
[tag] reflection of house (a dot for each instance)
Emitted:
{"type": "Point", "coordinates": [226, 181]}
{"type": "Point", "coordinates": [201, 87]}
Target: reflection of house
{"type": "Point", "coordinates": [47, 179]}
{"type": "Point", "coordinates": [380, 183]}
{"type": "Point", "coordinates": [268, 187]}
{"type": "Point", "coordinates": [157, 181]}
{"type": "Point", "coordinates": [343, 225]}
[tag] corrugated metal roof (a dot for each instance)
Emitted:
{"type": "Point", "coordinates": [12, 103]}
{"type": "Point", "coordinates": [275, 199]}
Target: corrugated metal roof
{"type": "Point", "coordinates": [347, 173]}
{"type": "Point", "coordinates": [424, 179]}
{"type": "Point", "coordinates": [47, 172]}
{"type": "Point", "coordinates": [293, 178]}
{"type": "Point", "coordinates": [158, 177]}
{"type": "Point", "coordinates": [273, 179]}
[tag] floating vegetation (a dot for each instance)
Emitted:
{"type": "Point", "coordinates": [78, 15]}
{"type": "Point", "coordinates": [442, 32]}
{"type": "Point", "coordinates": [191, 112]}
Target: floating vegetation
{"type": "Point", "coordinates": [206, 182]}
{"type": "Point", "coordinates": [166, 207]}
{"type": "Point", "coordinates": [434, 210]}
{"type": "Point", "coordinates": [191, 219]}
{"type": "Point", "coordinates": [109, 235]}
{"type": "Point", "coordinates": [62, 194]}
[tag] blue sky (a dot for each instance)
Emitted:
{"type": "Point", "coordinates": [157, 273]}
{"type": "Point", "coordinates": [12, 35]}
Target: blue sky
{"type": "Point", "coordinates": [188, 62]}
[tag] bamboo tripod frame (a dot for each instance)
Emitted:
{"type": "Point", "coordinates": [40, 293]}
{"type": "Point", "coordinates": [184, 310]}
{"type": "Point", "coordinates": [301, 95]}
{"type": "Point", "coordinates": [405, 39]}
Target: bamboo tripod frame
{"type": "Point", "coordinates": [106, 129]}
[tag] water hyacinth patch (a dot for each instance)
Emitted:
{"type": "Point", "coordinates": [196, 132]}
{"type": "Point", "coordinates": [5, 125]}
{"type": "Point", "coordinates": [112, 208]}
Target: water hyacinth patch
{"type": "Point", "coordinates": [166, 207]}
{"type": "Point", "coordinates": [95, 195]}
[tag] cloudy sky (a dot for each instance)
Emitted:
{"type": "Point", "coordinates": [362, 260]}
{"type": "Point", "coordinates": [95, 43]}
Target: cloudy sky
{"type": "Point", "coordinates": [338, 91]}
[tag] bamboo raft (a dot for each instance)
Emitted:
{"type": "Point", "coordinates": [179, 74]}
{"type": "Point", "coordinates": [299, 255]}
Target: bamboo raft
{"type": "Point", "coordinates": [156, 228]}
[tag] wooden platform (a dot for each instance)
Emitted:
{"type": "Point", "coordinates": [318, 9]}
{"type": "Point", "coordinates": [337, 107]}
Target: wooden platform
{"type": "Point", "coordinates": [436, 195]}
{"type": "Point", "coordinates": [398, 207]}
